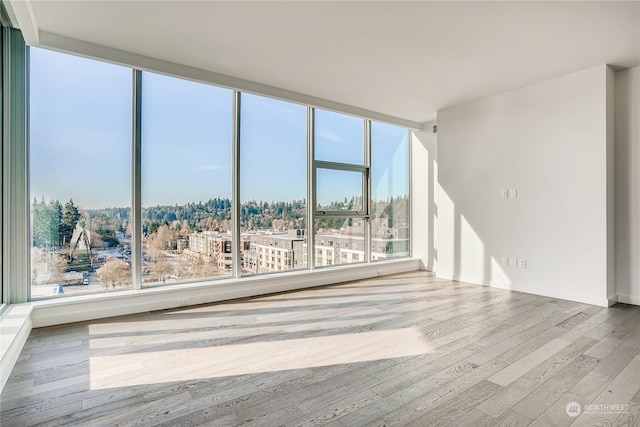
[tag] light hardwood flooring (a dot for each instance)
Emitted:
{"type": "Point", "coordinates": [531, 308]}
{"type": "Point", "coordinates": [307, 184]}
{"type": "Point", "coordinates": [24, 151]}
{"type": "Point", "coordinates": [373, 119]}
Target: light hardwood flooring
{"type": "Point", "coordinates": [403, 350]}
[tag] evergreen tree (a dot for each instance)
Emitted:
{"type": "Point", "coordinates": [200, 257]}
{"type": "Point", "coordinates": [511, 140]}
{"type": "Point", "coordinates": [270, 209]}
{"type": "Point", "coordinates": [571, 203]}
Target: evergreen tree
{"type": "Point", "coordinates": [70, 217]}
{"type": "Point", "coordinates": [45, 220]}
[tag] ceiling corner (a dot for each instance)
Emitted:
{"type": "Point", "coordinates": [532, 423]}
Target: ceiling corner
{"type": "Point", "coordinates": [22, 16]}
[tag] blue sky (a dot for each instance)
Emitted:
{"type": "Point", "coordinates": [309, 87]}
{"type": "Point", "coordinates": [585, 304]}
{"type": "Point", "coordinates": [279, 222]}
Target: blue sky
{"type": "Point", "coordinates": [80, 135]}
{"type": "Point", "coordinates": [273, 149]}
{"type": "Point", "coordinates": [81, 140]}
{"type": "Point", "coordinates": [186, 141]}
{"type": "Point", "coordinates": [338, 137]}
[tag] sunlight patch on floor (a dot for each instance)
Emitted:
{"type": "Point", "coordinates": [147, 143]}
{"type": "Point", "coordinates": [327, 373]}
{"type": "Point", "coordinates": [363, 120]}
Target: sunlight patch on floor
{"type": "Point", "coordinates": [193, 363]}
{"type": "Point", "coordinates": [190, 321]}
{"type": "Point", "coordinates": [233, 332]}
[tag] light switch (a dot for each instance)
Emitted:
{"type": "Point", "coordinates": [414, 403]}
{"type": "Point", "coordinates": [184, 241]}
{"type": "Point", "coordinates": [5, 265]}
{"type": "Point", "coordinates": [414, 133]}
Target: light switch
{"type": "Point", "coordinates": [505, 194]}
{"type": "Point", "coordinates": [513, 194]}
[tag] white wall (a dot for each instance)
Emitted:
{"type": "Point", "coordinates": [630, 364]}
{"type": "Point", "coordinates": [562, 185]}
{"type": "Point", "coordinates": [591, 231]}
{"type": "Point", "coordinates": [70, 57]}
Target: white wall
{"type": "Point", "coordinates": [549, 142]}
{"type": "Point", "coordinates": [424, 175]}
{"type": "Point", "coordinates": [628, 185]}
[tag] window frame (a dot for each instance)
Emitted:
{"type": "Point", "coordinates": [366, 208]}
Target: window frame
{"type": "Point", "coordinates": [237, 150]}
{"type": "Point", "coordinates": [409, 203]}
{"type": "Point", "coordinates": [345, 167]}
{"type": "Point", "coordinates": [138, 190]}
{"type": "Point", "coordinates": [365, 170]}
{"type": "Point", "coordinates": [3, 296]}
{"type": "Point", "coordinates": [16, 248]}
{"type": "Point", "coordinates": [131, 149]}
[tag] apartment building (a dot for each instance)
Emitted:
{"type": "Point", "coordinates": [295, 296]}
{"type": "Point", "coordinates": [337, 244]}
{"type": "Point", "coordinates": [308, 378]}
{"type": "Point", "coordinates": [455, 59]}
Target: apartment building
{"type": "Point", "coordinates": [272, 252]}
{"type": "Point", "coordinates": [210, 246]}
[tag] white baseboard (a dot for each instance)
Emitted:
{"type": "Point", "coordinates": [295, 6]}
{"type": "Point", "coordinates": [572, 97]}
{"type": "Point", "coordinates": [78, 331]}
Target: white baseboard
{"type": "Point", "coordinates": [474, 280]}
{"type": "Point", "coordinates": [425, 267]}
{"type": "Point", "coordinates": [629, 299]}
{"type": "Point", "coordinates": [535, 290]}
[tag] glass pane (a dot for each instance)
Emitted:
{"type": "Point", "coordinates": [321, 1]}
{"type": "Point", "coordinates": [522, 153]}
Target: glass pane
{"type": "Point", "coordinates": [389, 192]}
{"type": "Point", "coordinates": [338, 137]}
{"type": "Point", "coordinates": [80, 174]}
{"type": "Point", "coordinates": [186, 180]}
{"type": "Point", "coordinates": [339, 241]}
{"type": "Point", "coordinates": [273, 184]}
{"type": "Point", "coordinates": [339, 190]}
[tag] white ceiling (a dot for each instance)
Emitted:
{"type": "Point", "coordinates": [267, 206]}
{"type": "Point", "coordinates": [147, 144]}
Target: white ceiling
{"type": "Point", "coordinates": [402, 59]}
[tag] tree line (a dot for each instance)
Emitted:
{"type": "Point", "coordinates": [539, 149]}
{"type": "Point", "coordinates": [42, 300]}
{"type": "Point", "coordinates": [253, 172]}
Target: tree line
{"type": "Point", "coordinates": [53, 223]}
{"type": "Point", "coordinates": [215, 214]}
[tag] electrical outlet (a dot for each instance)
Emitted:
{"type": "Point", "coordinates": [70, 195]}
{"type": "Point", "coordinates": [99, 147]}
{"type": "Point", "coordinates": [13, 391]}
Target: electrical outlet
{"type": "Point", "coordinates": [505, 261]}
{"type": "Point", "coordinates": [522, 263]}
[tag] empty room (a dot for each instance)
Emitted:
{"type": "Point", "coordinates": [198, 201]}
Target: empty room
{"type": "Point", "coordinates": [342, 213]}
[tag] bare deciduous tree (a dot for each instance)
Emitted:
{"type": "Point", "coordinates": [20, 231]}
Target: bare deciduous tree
{"type": "Point", "coordinates": [57, 265]}
{"type": "Point", "coordinates": [114, 272]}
{"type": "Point", "coordinates": [162, 269]}
{"type": "Point", "coordinates": [167, 237]}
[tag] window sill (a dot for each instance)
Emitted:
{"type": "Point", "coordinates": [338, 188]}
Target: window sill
{"type": "Point", "coordinates": [15, 326]}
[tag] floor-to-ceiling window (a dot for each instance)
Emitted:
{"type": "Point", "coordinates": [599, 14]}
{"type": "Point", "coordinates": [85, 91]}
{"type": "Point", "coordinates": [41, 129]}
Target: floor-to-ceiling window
{"type": "Point", "coordinates": [389, 191]}
{"type": "Point", "coordinates": [341, 168]}
{"type": "Point", "coordinates": [134, 178]}
{"type": "Point", "coordinates": [186, 171]}
{"type": "Point", "coordinates": [273, 184]}
{"type": "Point", "coordinates": [80, 174]}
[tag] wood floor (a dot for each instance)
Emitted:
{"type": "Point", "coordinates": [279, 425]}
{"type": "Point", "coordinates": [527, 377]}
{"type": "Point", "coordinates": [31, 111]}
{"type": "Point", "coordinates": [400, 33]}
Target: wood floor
{"type": "Point", "coordinates": [407, 349]}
